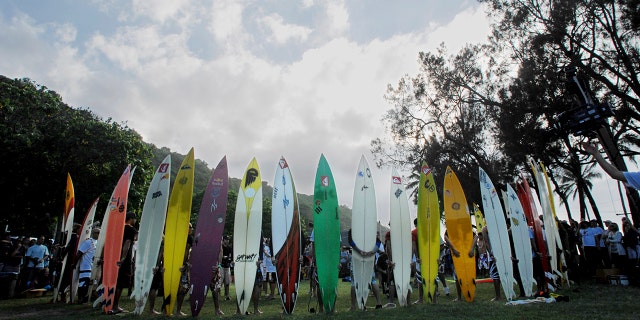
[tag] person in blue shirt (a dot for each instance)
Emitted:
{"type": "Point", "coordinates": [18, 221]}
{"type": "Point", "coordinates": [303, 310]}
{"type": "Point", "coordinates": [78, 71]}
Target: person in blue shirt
{"type": "Point", "coordinates": [630, 178]}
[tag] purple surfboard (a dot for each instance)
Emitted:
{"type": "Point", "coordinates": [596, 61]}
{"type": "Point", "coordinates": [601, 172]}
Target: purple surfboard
{"type": "Point", "coordinates": [207, 239]}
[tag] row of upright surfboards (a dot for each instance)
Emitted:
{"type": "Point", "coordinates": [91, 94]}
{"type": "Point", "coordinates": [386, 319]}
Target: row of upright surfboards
{"type": "Point", "coordinates": [165, 220]}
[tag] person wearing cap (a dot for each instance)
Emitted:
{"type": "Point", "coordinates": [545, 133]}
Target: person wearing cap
{"type": "Point", "coordinates": [125, 263]}
{"type": "Point", "coordinates": [84, 259]}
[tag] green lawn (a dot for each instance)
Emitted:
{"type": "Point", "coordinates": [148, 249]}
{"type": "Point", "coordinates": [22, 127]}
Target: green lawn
{"type": "Point", "coordinates": [588, 301]}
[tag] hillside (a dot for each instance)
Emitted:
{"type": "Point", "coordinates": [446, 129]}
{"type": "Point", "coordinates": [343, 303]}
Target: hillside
{"type": "Point", "coordinates": [202, 175]}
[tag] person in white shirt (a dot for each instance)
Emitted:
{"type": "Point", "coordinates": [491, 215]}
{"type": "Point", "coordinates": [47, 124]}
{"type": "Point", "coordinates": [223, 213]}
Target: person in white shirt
{"type": "Point", "coordinates": [84, 259]}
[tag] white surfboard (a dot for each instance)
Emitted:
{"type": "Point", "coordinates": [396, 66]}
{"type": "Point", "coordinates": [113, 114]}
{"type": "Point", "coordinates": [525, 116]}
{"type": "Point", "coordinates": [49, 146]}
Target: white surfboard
{"type": "Point", "coordinates": [281, 214]}
{"type": "Point", "coordinates": [400, 237]}
{"type": "Point", "coordinates": [67, 230]}
{"type": "Point", "coordinates": [561, 257]}
{"type": "Point", "coordinates": [549, 222]}
{"type": "Point", "coordinates": [154, 214]}
{"type": "Point", "coordinates": [521, 241]}
{"type": "Point", "coordinates": [85, 234]}
{"type": "Point", "coordinates": [498, 233]}
{"type": "Point", "coordinates": [247, 238]}
{"type": "Point", "coordinates": [285, 235]}
{"type": "Point", "coordinates": [363, 231]}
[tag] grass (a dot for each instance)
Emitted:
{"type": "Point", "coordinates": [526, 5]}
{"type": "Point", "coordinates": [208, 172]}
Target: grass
{"type": "Point", "coordinates": [588, 301]}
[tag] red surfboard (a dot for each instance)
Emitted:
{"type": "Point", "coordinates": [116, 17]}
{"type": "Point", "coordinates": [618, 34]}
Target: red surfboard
{"type": "Point", "coordinates": [533, 221]}
{"type": "Point", "coordinates": [113, 240]}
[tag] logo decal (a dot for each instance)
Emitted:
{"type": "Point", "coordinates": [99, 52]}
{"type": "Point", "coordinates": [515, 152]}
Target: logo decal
{"type": "Point", "coordinates": [252, 175]}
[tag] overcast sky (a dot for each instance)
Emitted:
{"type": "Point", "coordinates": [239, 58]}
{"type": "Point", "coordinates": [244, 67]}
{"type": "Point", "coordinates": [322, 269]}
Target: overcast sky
{"type": "Point", "coordinates": [238, 78]}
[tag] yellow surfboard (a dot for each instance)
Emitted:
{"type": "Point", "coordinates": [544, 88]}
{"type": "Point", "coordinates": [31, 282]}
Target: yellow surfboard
{"type": "Point", "coordinates": [177, 229]}
{"type": "Point", "coordinates": [480, 222]}
{"type": "Point", "coordinates": [458, 222]}
{"type": "Point", "coordinates": [428, 230]}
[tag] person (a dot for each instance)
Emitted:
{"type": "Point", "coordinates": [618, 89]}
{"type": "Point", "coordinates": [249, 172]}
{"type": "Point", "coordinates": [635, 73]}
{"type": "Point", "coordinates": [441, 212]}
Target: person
{"type": "Point", "coordinates": [590, 248]}
{"type": "Point", "coordinates": [125, 263]}
{"type": "Point", "coordinates": [84, 258]}
{"type": "Point", "coordinates": [385, 262]}
{"type": "Point", "coordinates": [630, 178]}
{"type": "Point", "coordinates": [270, 269]}
{"type": "Point", "coordinates": [631, 245]}
{"type": "Point", "coordinates": [483, 245]}
{"type": "Point", "coordinates": [157, 286]}
{"type": "Point", "coordinates": [442, 262]}
{"type": "Point", "coordinates": [185, 284]}
{"type": "Point", "coordinates": [11, 258]}
{"type": "Point", "coordinates": [227, 259]}
{"type": "Point", "coordinates": [416, 262]}
{"type": "Point", "coordinates": [616, 249]}
{"type": "Point", "coordinates": [185, 277]}
{"type": "Point", "coordinates": [216, 285]}
{"type": "Point", "coordinates": [68, 252]}
{"type": "Point", "coordinates": [35, 256]}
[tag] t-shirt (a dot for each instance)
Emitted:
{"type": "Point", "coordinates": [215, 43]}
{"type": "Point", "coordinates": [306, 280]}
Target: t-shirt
{"type": "Point", "coordinates": [227, 256]}
{"type": "Point", "coordinates": [267, 259]}
{"type": "Point", "coordinates": [129, 234]}
{"type": "Point", "coordinates": [633, 179]}
{"type": "Point", "coordinates": [88, 249]}
{"type": "Point", "coordinates": [37, 251]}
{"type": "Point", "coordinates": [588, 237]}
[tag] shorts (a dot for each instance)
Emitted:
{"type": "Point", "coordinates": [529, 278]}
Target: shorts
{"type": "Point", "coordinates": [226, 276]}
{"type": "Point", "coordinates": [124, 279]}
{"type": "Point", "coordinates": [493, 270]}
{"type": "Point", "coordinates": [271, 277]}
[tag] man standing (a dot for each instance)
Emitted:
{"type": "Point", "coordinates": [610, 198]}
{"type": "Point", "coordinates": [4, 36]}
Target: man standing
{"type": "Point", "coordinates": [227, 258]}
{"type": "Point", "coordinates": [84, 258]}
{"type": "Point", "coordinates": [125, 263]}
{"type": "Point", "coordinates": [36, 255]}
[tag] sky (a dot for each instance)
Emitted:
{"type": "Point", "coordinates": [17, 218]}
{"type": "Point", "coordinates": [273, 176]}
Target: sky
{"type": "Point", "coordinates": [244, 79]}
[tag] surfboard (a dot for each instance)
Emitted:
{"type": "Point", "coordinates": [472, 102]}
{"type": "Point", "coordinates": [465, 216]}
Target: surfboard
{"type": "Point", "coordinates": [479, 217]}
{"type": "Point", "coordinates": [531, 213]}
{"type": "Point", "coordinates": [176, 230]}
{"type": "Point", "coordinates": [207, 241]}
{"type": "Point", "coordinates": [458, 222]}
{"type": "Point", "coordinates": [152, 219]}
{"type": "Point", "coordinates": [326, 221]}
{"type": "Point", "coordinates": [69, 199]}
{"type": "Point", "coordinates": [498, 233]}
{"type": "Point", "coordinates": [549, 228]}
{"type": "Point", "coordinates": [113, 241]}
{"type": "Point", "coordinates": [247, 234]}
{"type": "Point", "coordinates": [400, 225]}
{"type": "Point", "coordinates": [67, 225]}
{"type": "Point", "coordinates": [85, 233]}
{"type": "Point", "coordinates": [428, 216]}
{"type": "Point", "coordinates": [96, 269]}
{"type": "Point", "coordinates": [285, 235]}
{"type": "Point", "coordinates": [521, 241]}
{"type": "Point", "coordinates": [553, 217]}
{"type": "Point", "coordinates": [364, 217]}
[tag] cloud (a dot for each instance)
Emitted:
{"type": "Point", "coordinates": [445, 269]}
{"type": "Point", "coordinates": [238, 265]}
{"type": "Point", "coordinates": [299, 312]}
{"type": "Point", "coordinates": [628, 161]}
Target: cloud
{"type": "Point", "coordinates": [281, 32]}
{"type": "Point", "coordinates": [235, 101]}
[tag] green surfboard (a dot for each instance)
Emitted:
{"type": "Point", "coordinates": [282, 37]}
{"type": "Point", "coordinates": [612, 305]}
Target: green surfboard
{"type": "Point", "coordinates": [326, 220]}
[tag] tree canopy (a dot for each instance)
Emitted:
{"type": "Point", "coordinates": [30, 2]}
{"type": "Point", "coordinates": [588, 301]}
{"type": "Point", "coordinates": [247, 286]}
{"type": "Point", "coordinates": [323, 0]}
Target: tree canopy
{"type": "Point", "coordinates": [498, 104]}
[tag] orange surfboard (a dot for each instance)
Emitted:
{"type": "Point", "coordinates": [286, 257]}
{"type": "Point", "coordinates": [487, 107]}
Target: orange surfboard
{"type": "Point", "coordinates": [458, 221]}
{"type": "Point", "coordinates": [113, 241]}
